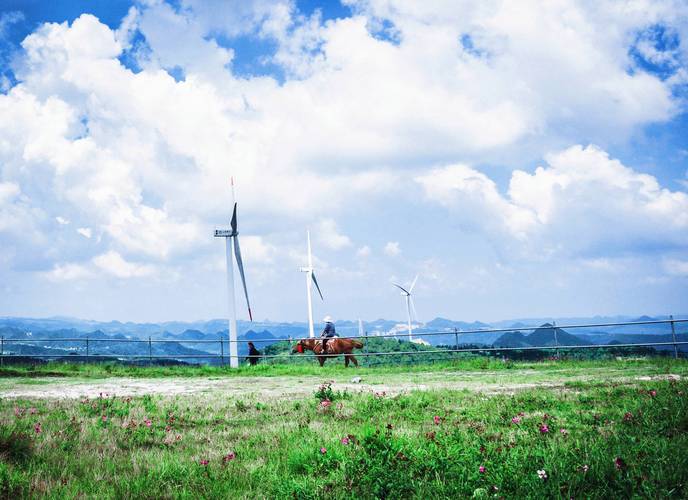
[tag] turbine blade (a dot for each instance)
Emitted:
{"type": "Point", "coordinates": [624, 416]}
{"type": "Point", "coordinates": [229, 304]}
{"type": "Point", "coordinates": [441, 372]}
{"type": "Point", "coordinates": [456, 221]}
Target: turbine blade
{"type": "Point", "coordinates": [401, 288]}
{"type": "Point", "coordinates": [240, 265]}
{"type": "Point", "coordinates": [234, 219]}
{"type": "Point", "coordinates": [316, 285]}
{"type": "Point", "coordinates": [413, 284]}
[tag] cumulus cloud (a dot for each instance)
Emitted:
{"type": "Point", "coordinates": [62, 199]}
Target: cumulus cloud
{"type": "Point", "coordinates": [140, 154]}
{"type": "Point", "coordinates": [581, 203]}
{"type": "Point", "coordinates": [392, 248]}
{"type": "Point", "coordinates": [363, 252]}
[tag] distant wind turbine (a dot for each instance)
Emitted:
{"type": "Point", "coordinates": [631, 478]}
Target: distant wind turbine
{"type": "Point", "coordinates": [233, 252]}
{"type": "Point", "coordinates": [310, 277]}
{"type": "Point", "coordinates": [409, 304]}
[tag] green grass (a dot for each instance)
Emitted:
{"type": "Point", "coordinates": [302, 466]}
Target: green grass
{"type": "Point", "coordinates": [333, 368]}
{"type": "Point", "coordinates": [395, 447]}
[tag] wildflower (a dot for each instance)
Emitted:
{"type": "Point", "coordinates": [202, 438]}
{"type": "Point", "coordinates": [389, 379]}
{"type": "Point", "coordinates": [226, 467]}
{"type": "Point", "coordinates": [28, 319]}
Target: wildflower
{"type": "Point", "coordinates": [542, 474]}
{"type": "Point", "coordinates": [179, 437]}
{"type": "Point", "coordinates": [546, 416]}
{"type": "Point", "coordinates": [228, 457]}
{"type": "Point", "coordinates": [516, 420]}
{"type": "Point", "coordinates": [481, 469]}
{"type": "Point", "coordinates": [653, 393]}
{"type": "Point", "coordinates": [323, 450]}
{"type": "Point", "coordinates": [104, 418]}
{"type": "Point", "coordinates": [37, 428]}
{"type": "Point", "coordinates": [628, 416]}
{"type": "Point", "coordinates": [584, 468]}
{"type": "Point", "coordinates": [148, 422]}
{"type": "Point", "coordinates": [326, 403]}
{"type": "Point", "coordinates": [619, 463]}
{"type": "Point", "coordinates": [436, 419]}
{"type": "Point", "coordinates": [18, 411]}
{"type": "Point", "coordinates": [204, 462]}
{"type": "Point", "coordinates": [564, 432]}
{"type": "Point", "coordinates": [33, 411]}
{"type": "Point", "coordinates": [168, 428]}
{"type": "Point", "coordinates": [345, 441]}
{"type": "Point", "coordinates": [521, 414]}
{"type": "Point", "coordinates": [544, 429]}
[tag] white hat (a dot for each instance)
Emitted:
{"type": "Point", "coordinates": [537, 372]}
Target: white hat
{"type": "Point", "coordinates": [327, 319]}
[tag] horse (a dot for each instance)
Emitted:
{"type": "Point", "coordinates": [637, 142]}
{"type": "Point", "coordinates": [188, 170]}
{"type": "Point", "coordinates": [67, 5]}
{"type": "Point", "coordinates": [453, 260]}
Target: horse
{"type": "Point", "coordinates": [335, 347]}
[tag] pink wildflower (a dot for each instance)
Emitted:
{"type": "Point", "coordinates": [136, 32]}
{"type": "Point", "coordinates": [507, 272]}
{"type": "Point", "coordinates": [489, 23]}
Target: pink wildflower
{"type": "Point", "coordinates": [516, 420]}
{"type": "Point", "coordinates": [653, 393]}
{"type": "Point", "coordinates": [203, 462]}
{"type": "Point", "coordinates": [326, 403]}
{"type": "Point", "coordinates": [228, 457]}
{"type": "Point", "coordinates": [33, 411]}
{"type": "Point", "coordinates": [436, 419]}
{"type": "Point", "coordinates": [564, 432]}
{"type": "Point", "coordinates": [37, 428]}
{"type": "Point", "coordinates": [345, 441]}
{"type": "Point", "coordinates": [481, 469]}
{"type": "Point", "coordinates": [628, 416]}
{"type": "Point", "coordinates": [104, 418]}
{"type": "Point", "coordinates": [168, 428]}
{"type": "Point", "coordinates": [18, 411]}
{"type": "Point", "coordinates": [323, 450]}
{"type": "Point", "coordinates": [544, 429]}
{"type": "Point", "coordinates": [619, 463]}
{"type": "Point", "coordinates": [148, 422]}
{"type": "Point", "coordinates": [521, 414]}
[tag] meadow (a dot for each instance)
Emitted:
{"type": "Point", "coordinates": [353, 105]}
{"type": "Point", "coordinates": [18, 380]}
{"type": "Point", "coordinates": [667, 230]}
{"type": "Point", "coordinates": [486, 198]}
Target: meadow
{"type": "Point", "coordinates": [619, 433]}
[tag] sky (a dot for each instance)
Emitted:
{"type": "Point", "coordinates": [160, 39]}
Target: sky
{"type": "Point", "coordinates": [525, 159]}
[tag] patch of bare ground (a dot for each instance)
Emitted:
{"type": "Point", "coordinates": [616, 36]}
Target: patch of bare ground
{"type": "Point", "coordinates": [291, 386]}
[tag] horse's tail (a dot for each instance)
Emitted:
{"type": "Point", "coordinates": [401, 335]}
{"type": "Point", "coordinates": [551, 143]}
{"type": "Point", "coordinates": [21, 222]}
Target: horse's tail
{"type": "Point", "coordinates": [357, 344]}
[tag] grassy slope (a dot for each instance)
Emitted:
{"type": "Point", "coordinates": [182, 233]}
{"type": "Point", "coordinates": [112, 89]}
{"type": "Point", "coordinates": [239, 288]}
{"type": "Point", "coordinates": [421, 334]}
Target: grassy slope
{"type": "Point", "coordinates": [396, 450]}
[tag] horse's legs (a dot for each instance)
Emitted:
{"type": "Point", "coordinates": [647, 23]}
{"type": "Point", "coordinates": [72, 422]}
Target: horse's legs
{"type": "Point", "coordinates": [353, 358]}
{"type": "Point", "coordinates": [346, 361]}
{"type": "Point", "coordinates": [321, 360]}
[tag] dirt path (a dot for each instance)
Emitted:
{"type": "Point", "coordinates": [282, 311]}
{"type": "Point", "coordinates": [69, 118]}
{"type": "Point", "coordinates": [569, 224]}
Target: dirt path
{"type": "Point", "coordinates": [490, 382]}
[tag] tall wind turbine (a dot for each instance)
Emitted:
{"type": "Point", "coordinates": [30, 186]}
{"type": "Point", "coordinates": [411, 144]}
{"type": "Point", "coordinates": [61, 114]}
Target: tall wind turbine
{"type": "Point", "coordinates": [233, 252]}
{"type": "Point", "coordinates": [310, 277]}
{"type": "Point", "coordinates": [409, 304]}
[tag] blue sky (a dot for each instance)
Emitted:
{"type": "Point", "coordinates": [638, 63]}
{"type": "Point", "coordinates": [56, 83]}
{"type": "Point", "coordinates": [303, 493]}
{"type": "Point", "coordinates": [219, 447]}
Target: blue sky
{"type": "Point", "coordinates": [525, 160]}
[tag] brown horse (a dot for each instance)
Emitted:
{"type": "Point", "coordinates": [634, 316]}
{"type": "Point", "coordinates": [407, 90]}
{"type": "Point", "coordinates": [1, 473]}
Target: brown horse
{"type": "Point", "coordinates": [335, 347]}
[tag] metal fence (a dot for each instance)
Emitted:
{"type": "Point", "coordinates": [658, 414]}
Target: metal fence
{"type": "Point", "coordinates": [87, 345]}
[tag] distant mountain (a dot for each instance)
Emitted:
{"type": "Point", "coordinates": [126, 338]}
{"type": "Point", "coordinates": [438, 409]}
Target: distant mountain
{"type": "Point", "coordinates": [443, 323]}
{"type": "Point", "coordinates": [544, 336]}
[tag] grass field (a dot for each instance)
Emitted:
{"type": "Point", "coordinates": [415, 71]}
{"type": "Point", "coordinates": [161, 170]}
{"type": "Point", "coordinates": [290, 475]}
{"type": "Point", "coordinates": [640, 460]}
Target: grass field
{"type": "Point", "coordinates": [554, 429]}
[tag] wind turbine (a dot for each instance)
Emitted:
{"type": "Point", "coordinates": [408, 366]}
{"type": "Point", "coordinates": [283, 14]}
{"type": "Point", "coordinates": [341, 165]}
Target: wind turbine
{"type": "Point", "coordinates": [310, 276]}
{"type": "Point", "coordinates": [409, 304]}
{"type": "Point", "coordinates": [233, 252]}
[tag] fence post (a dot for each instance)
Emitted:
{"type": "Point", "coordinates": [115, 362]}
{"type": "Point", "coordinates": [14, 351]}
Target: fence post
{"type": "Point", "coordinates": [673, 336]}
{"type": "Point", "coordinates": [556, 339]}
{"type": "Point", "coordinates": [222, 352]}
{"type": "Point", "coordinates": [150, 352]}
{"type": "Point", "coordinates": [87, 349]}
{"type": "Point", "coordinates": [365, 349]}
{"type": "Point", "coordinates": [2, 350]}
{"type": "Point", "coordinates": [456, 341]}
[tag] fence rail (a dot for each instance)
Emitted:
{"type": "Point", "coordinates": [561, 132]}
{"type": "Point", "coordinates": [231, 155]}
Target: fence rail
{"type": "Point", "coordinates": [88, 343]}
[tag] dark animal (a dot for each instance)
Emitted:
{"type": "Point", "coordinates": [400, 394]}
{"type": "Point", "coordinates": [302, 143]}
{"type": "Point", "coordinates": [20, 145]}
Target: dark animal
{"type": "Point", "coordinates": [335, 347]}
{"type": "Point", "coordinates": [253, 354]}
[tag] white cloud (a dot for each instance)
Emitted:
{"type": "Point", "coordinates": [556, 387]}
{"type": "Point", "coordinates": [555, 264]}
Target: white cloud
{"type": "Point", "coordinates": [392, 248]}
{"type": "Point", "coordinates": [69, 272]}
{"type": "Point", "coordinates": [363, 252]}
{"type": "Point", "coordinates": [581, 203]}
{"type": "Point", "coordinates": [61, 221]}
{"type": "Point", "coordinates": [85, 232]}
{"type": "Point", "coordinates": [676, 267]}
{"type": "Point", "coordinates": [329, 236]}
{"type": "Point", "coordinates": [112, 263]}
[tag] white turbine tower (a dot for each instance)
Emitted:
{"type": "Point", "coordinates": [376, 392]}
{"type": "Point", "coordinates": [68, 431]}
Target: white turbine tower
{"type": "Point", "coordinates": [310, 277]}
{"type": "Point", "coordinates": [409, 304]}
{"type": "Point", "coordinates": [233, 251]}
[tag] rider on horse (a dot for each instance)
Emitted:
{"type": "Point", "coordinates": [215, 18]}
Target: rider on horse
{"type": "Point", "coordinates": [328, 332]}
